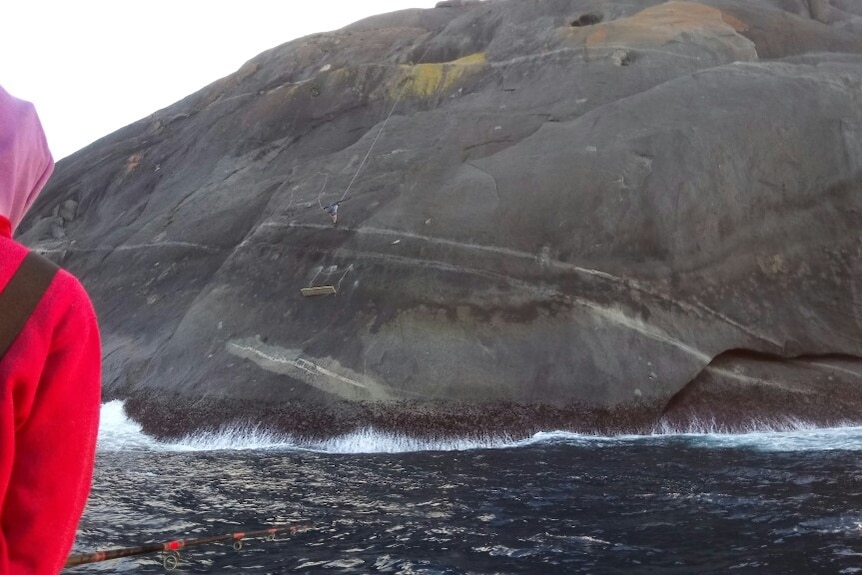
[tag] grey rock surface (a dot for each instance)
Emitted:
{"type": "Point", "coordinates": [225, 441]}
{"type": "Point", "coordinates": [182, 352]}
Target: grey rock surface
{"type": "Point", "coordinates": [598, 215]}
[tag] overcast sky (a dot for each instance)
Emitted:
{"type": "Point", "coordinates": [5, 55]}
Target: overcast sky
{"type": "Point", "coordinates": [94, 66]}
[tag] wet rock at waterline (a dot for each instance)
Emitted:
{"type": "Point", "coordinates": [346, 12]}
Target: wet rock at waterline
{"type": "Point", "coordinates": [603, 215]}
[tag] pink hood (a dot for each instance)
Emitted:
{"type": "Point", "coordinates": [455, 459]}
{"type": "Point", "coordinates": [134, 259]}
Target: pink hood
{"type": "Point", "coordinates": [25, 161]}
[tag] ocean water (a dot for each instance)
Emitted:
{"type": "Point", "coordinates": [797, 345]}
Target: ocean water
{"type": "Point", "coordinates": [768, 501]}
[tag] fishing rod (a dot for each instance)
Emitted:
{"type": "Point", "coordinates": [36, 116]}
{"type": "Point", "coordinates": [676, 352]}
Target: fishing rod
{"type": "Point", "coordinates": [172, 548]}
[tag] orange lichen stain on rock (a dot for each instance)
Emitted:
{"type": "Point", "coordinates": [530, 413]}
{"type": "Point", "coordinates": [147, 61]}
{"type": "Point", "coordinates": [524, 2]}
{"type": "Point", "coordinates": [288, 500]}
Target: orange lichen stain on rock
{"type": "Point", "coordinates": [600, 36]}
{"type": "Point", "coordinates": [661, 24]}
{"type": "Point", "coordinates": [133, 162]}
{"type": "Point", "coordinates": [735, 22]}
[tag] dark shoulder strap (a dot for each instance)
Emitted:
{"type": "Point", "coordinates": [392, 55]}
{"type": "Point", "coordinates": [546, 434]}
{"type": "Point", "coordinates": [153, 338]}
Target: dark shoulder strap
{"type": "Point", "coordinates": [21, 296]}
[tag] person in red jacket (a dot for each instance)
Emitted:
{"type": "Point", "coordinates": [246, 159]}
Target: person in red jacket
{"type": "Point", "coordinates": [50, 377]}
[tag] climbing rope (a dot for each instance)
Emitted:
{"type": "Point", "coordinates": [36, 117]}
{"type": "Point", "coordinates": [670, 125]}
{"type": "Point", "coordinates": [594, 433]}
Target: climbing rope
{"type": "Point", "coordinates": [374, 142]}
{"type": "Point", "coordinates": [172, 548]}
{"type": "Point", "coordinates": [382, 127]}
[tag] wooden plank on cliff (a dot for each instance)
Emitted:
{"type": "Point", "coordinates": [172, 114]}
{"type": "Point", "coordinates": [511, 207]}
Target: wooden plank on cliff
{"type": "Point", "coordinates": [318, 290]}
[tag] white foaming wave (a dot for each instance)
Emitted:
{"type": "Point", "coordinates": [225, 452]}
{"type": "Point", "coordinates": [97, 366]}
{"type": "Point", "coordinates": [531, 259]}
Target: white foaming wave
{"type": "Point", "coordinates": [812, 439]}
{"type": "Point", "coordinates": [367, 440]}
{"type": "Point", "coordinates": [119, 433]}
{"type": "Point", "coordinates": [234, 438]}
{"type": "Point", "coordinates": [777, 434]}
{"type": "Point", "coordinates": [370, 440]}
{"type": "Point", "coordinates": [709, 426]}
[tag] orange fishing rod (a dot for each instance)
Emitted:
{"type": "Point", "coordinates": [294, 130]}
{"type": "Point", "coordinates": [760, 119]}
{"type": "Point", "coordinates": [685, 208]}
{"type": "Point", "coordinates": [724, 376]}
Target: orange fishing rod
{"type": "Point", "coordinates": [172, 548]}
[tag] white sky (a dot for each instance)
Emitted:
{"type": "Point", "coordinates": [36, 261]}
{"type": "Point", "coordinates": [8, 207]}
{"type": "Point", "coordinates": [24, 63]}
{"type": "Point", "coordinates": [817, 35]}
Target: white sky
{"type": "Point", "coordinates": [94, 66]}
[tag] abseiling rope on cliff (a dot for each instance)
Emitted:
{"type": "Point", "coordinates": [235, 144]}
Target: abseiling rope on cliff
{"type": "Point", "coordinates": [332, 209]}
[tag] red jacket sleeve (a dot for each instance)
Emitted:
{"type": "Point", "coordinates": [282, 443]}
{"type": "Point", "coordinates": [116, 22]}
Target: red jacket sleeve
{"type": "Point", "coordinates": [49, 418]}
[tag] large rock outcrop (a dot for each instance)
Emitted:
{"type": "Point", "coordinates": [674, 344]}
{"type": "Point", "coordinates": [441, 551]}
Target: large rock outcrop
{"type": "Point", "coordinates": [598, 215]}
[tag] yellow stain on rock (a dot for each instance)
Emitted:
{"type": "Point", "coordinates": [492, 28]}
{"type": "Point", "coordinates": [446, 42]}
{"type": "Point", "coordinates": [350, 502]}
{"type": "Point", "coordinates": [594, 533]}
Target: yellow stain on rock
{"type": "Point", "coordinates": [661, 24]}
{"type": "Point", "coordinates": [425, 80]}
{"type": "Point", "coordinates": [477, 58]}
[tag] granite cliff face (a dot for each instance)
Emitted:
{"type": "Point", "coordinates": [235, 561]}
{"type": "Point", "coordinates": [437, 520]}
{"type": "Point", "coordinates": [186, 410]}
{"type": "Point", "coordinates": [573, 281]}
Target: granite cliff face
{"type": "Point", "coordinates": [589, 214]}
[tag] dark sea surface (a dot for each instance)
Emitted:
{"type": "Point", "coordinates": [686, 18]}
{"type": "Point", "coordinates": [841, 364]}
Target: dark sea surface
{"type": "Point", "coordinates": [767, 502]}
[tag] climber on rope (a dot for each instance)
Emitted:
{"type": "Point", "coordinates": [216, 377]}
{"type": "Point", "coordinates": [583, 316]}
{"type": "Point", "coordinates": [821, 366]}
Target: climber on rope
{"type": "Point", "coordinates": [332, 210]}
